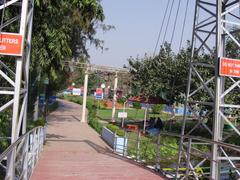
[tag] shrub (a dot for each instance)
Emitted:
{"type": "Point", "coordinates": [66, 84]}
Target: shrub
{"type": "Point", "coordinates": [53, 106]}
{"type": "Point", "coordinates": [105, 104]}
{"type": "Point", "coordinates": [136, 105]}
{"type": "Point", "coordinates": [115, 129]}
{"type": "Point", "coordinates": [121, 100]}
{"type": "Point", "coordinates": [112, 127]}
{"type": "Point", "coordinates": [157, 108]}
{"type": "Point", "coordinates": [39, 122]}
{"type": "Point", "coordinates": [74, 99]}
{"type": "Point", "coordinates": [92, 120]}
{"type": "Point", "coordinates": [95, 124]}
{"type": "Point", "coordinates": [148, 148]}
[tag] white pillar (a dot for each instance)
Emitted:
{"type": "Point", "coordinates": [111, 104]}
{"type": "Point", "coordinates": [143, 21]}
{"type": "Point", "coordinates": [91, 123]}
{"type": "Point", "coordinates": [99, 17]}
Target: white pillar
{"type": "Point", "coordinates": [36, 109]}
{"type": "Point", "coordinates": [124, 108]}
{"type": "Point", "coordinates": [114, 97]}
{"type": "Point", "coordinates": [85, 97]}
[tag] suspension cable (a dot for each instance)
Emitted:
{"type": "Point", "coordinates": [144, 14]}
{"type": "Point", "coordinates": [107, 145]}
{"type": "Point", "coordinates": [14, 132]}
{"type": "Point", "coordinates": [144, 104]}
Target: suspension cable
{"type": "Point", "coordinates": [184, 23]}
{"type": "Point", "coordinates": [165, 33]}
{"type": "Point", "coordinates": [175, 21]}
{"type": "Point", "coordinates": [161, 28]}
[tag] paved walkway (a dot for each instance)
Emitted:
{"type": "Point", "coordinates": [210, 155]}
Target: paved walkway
{"type": "Point", "coordinates": [74, 151]}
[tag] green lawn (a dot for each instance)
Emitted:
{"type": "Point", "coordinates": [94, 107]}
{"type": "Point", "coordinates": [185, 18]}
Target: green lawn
{"type": "Point", "coordinates": [133, 114]}
{"type": "Point", "coordinates": [106, 114]}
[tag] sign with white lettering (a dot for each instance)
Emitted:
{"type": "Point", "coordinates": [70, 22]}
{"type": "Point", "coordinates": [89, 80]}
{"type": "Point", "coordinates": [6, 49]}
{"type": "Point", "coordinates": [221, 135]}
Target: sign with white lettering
{"type": "Point", "coordinates": [76, 91]}
{"type": "Point", "coordinates": [229, 67]}
{"type": "Point", "coordinates": [122, 114]}
{"type": "Point", "coordinates": [11, 44]}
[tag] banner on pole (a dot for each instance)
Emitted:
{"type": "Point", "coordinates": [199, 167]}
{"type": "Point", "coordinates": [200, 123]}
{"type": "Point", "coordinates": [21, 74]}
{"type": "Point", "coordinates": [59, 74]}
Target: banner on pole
{"type": "Point", "coordinates": [99, 93]}
{"type": "Point", "coordinates": [229, 67]}
{"type": "Point", "coordinates": [11, 44]}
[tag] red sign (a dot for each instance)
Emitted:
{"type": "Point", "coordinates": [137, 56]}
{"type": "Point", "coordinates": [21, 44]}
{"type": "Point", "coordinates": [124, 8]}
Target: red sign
{"type": "Point", "coordinates": [229, 67]}
{"type": "Point", "coordinates": [99, 91]}
{"type": "Point", "coordinates": [11, 44]}
{"type": "Point", "coordinates": [70, 88]}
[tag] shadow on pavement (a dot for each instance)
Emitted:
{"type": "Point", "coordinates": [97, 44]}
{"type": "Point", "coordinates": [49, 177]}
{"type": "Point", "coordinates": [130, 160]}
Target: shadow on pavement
{"type": "Point", "coordinates": [54, 136]}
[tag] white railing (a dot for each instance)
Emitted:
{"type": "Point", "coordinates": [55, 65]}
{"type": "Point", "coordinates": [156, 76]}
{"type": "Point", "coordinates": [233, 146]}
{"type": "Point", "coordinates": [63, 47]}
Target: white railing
{"type": "Point", "coordinates": [19, 159]}
{"type": "Point", "coordinates": [114, 141]}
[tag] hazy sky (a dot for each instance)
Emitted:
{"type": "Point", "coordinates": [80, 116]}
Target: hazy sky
{"type": "Point", "coordinates": [137, 24]}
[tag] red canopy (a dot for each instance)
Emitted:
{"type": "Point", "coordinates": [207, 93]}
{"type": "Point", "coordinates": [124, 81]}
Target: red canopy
{"type": "Point", "coordinates": [147, 100]}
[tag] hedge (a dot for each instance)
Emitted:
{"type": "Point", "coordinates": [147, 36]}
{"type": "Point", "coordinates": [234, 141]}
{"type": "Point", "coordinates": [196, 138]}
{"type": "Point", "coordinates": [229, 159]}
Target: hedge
{"type": "Point", "coordinates": [114, 128]}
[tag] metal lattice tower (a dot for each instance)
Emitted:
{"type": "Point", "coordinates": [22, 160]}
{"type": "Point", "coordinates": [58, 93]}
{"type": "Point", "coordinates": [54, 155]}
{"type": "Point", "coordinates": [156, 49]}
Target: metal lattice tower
{"type": "Point", "coordinates": [16, 21]}
{"type": "Point", "coordinates": [208, 94]}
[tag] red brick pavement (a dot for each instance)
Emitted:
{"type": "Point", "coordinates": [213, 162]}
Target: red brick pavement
{"type": "Point", "coordinates": [74, 151]}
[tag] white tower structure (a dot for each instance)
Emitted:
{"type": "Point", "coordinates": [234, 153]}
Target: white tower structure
{"type": "Point", "coordinates": [213, 82]}
{"type": "Point", "coordinates": [15, 48]}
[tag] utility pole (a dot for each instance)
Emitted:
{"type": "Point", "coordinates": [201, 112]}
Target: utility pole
{"type": "Point", "coordinates": [214, 21]}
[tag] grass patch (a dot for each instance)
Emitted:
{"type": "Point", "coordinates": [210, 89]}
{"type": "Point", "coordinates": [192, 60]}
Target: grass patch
{"type": "Point", "coordinates": [107, 113]}
{"type": "Point", "coordinates": [133, 114]}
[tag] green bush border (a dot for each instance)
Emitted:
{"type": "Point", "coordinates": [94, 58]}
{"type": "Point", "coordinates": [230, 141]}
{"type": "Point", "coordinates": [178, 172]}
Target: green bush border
{"type": "Point", "coordinates": [52, 107]}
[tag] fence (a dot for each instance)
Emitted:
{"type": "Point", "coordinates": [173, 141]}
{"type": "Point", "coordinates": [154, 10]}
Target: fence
{"type": "Point", "coordinates": [113, 140]}
{"type": "Point", "coordinates": [19, 159]}
{"type": "Point", "coordinates": [161, 153]}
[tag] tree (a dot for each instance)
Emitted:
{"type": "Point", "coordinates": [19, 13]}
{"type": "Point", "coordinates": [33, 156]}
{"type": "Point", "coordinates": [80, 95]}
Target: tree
{"type": "Point", "coordinates": [164, 75]}
{"type": "Point", "coordinates": [157, 108]}
{"type": "Point", "coordinates": [61, 30]}
{"type": "Point", "coordinates": [137, 106]}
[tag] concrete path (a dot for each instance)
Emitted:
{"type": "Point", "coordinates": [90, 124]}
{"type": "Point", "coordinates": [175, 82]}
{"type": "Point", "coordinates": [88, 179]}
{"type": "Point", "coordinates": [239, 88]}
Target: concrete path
{"type": "Point", "coordinates": [74, 151]}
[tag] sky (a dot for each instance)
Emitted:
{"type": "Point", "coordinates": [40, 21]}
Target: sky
{"type": "Point", "coordinates": [137, 24]}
